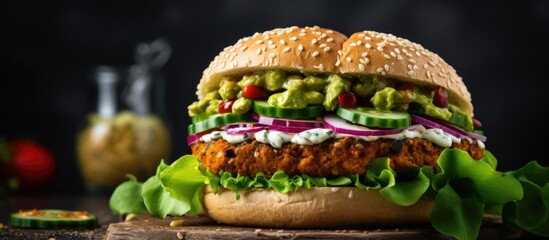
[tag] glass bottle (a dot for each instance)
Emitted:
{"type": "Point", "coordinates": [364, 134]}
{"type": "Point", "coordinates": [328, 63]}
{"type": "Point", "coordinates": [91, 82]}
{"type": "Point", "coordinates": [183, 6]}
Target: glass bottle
{"type": "Point", "coordinates": [126, 132]}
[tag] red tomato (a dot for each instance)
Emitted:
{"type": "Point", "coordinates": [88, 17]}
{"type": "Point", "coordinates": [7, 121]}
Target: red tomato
{"type": "Point", "coordinates": [33, 164]}
{"type": "Point", "coordinates": [226, 106]}
{"type": "Point", "coordinates": [346, 99]}
{"type": "Point", "coordinates": [255, 93]}
{"type": "Point", "coordinates": [477, 124]}
{"type": "Point", "coordinates": [440, 99]}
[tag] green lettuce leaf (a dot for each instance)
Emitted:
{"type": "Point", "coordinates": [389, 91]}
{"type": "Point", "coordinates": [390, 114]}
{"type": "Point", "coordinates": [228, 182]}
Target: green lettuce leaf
{"type": "Point", "coordinates": [458, 210]}
{"type": "Point", "coordinates": [126, 198]}
{"type": "Point", "coordinates": [531, 213]}
{"type": "Point", "coordinates": [493, 186]}
{"type": "Point", "coordinates": [464, 188]}
{"type": "Point", "coordinates": [158, 201]}
{"type": "Point", "coordinates": [184, 181]}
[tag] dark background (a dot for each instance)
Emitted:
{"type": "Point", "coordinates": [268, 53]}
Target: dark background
{"type": "Point", "coordinates": [48, 48]}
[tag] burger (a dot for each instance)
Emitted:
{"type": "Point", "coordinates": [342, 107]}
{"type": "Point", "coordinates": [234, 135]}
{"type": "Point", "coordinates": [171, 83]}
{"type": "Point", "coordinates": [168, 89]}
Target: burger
{"type": "Point", "coordinates": [308, 128]}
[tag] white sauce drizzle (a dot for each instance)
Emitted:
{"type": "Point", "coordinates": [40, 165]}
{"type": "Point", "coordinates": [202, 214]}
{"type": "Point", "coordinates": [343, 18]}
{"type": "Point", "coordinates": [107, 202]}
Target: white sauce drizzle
{"type": "Point", "coordinates": [318, 135]}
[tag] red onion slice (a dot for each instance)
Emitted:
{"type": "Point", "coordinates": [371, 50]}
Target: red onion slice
{"type": "Point", "coordinates": [433, 124]}
{"type": "Point", "coordinates": [340, 125]}
{"type": "Point", "coordinates": [242, 130]}
{"type": "Point", "coordinates": [287, 122]}
{"type": "Point", "coordinates": [193, 138]}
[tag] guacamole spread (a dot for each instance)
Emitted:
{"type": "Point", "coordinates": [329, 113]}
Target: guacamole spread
{"type": "Point", "coordinates": [292, 90]}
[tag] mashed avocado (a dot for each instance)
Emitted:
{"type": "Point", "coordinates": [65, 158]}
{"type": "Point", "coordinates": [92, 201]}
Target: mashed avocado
{"type": "Point", "coordinates": [242, 105]}
{"type": "Point", "coordinates": [336, 85]}
{"type": "Point", "coordinates": [208, 105]}
{"type": "Point", "coordinates": [386, 98]}
{"type": "Point", "coordinates": [228, 89]}
{"type": "Point", "coordinates": [389, 98]}
{"type": "Point", "coordinates": [299, 90]}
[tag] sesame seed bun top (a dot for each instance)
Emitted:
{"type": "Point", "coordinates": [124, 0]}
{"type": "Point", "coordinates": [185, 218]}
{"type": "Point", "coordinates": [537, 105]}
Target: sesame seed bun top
{"type": "Point", "coordinates": [310, 49]}
{"type": "Point", "coordinates": [376, 53]}
{"type": "Point", "coordinates": [315, 49]}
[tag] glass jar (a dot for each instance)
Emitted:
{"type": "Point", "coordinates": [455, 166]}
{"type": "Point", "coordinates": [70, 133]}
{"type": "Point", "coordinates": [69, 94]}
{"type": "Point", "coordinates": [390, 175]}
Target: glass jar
{"type": "Point", "coordinates": [125, 132]}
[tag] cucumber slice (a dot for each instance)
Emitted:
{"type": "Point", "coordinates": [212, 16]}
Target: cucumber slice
{"type": "Point", "coordinates": [462, 121]}
{"type": "Point", "coordinates": [375, 118]}
{"type": "Point", "coordinates": [265, 109]}
{"type": "Point", "coordinates": [199, 118]}
{"type": "Point", "coordinates": [53, 218]}
{"type": "Point", "coordinates": [217, 120]}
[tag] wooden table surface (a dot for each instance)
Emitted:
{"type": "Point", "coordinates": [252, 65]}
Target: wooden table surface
{"type": "Point", "coordinates": [200, 227]}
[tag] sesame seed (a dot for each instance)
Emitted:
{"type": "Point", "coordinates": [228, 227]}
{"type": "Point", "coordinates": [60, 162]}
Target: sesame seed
{"type": "Point", "coordinates": [286, 49]}
{"type": "Point", "coordinates": [364, 54]}
{"type": "Point", "coordinates": [362, 60]}
{"type": "Point", "coordinates": [428, 75]}
{"type": "Point", "coordinates": [319, 67]}
{"type": "Point", "coordinates": [379, 70]}
{"type": "Point", "coordinates": [399, 57]}
{"type": "Point", "coordinates": [416, 67]}
{"type": "Point", "coordinates": [302, 34]}
{"type": "Point", "coordinates": [367, 45]}
{"type": "Point", "coordinates": [393, 54]}
{"type": "Point", "coordinates": [322, 45]}
{"type": "Point", "coordinates": [329, 31]}
{"type": "Point", "coordinates": [383, 73]}
{"type": "Point", "coordinates": [337, 62]}
{"type": "Point", "coordinates": [259, 41]}
{"type": "Point", "coordinates": [386, 56]}
{"type": "Point", "coordinates": [366, 60]}
{"type": "Point", "coordinates": [315, 53]}
{"type": "Point", "coordinates": [358, 42]}
{"type": "Point", "coordinates": [353, 44]}
{"type": "Point", "coordinates": [368, 38]}
{"type": "Point", "coordinates": [272, 55]}
{"type": "Point", "coordinates": [397, 50]}
{"type": "Point", "coordinates": [329, 40]}
{"type": "Point", "coordinates": [323, 35]}
{"type": "Point", "coordinates": [410, 72]}
{"type": "Point", "coordinates": [386, 67]}
{"type": "Point", "coordinates": [243, 48]}
{"type": "Point", "coordinates": [425, 65]}
{"type": "Point", "coordinates": [432, 64]}
{"type": "Point", "coordinates": [361, 35]}
{"type": "Point", "coordinates": [417, 53]}
{"type": "Point", "coordinates": [349, 59]}
{"type": "Point", "coordinates": [361, 66]}
{"type": "Point", "coordinates": [379, 48]}
{"type": "Point", "coordinates": [272, 46]}
{"type": "Point", "coordinates": [410, 67]}
{"type": "Point", "coordinates": [293, 38]}
{"type": "Point", "coordinates": [270, 42]}
{"type": "Point", "coordinates": [313, 41]}
{"type": "Point", "coordinates": [300, 47]}
{"type": "Point", "coordinates": [282, 41]}
{"type": "Point", "coordinates": [326, 49]}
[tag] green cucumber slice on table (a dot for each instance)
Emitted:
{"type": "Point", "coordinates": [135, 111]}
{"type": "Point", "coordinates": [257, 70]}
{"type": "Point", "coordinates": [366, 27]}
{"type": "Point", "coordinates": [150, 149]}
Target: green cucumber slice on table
{"type": "Point", "coordinates": [217, 120]}
{"type": "Point", "coordinates": [53, 218]}
{"type": "Point", "coordinates": [265, 109]}
{"type": "Point", "coordinates": [375, 118]}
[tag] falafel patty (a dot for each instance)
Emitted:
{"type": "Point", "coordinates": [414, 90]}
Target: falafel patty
{"type": "Point", "coordinates": [331, 158]}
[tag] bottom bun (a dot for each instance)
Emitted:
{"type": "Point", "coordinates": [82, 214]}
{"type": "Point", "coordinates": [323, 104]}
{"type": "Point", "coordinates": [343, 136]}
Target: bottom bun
{"type": "Point", "coordinates": [318, 207]}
